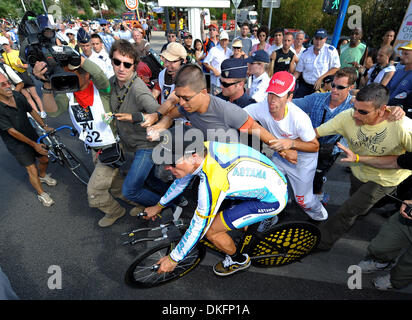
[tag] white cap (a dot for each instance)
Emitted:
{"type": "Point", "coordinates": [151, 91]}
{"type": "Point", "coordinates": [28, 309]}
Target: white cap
{"type": "Point", "coordinates": [223, 35]}
{"type": "Point", "coordinates": [3, 40]}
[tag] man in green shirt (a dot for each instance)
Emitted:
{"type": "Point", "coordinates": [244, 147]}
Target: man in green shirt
{"type": "Point", "coordinates": [353, 54]}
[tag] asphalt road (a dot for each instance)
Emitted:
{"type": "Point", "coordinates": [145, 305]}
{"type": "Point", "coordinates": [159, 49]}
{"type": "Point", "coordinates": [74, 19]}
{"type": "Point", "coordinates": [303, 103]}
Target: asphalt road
{"type": "Point", "coordinates": [36, 241]}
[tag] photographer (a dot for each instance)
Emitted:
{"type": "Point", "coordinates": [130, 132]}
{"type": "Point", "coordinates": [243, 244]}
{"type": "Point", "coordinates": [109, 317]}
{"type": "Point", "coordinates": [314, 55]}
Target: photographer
{"type": "Point", "coordinates": [395, 235]}
{"type": "Point", "coordinates": [88, 108]}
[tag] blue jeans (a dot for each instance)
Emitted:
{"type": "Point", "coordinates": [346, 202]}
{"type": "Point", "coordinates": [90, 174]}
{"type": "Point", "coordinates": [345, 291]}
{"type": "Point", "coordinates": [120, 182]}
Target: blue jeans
{"type": "Point", "coordinates": [140, 173]}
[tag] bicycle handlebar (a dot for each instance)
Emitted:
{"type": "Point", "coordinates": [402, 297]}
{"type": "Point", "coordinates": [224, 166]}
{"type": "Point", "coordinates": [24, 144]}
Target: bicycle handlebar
{"type": "Point", "coordinates": [54, 131]}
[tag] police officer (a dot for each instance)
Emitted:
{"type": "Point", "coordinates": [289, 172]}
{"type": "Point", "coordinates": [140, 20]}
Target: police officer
{"type": "Point", "coordinates": [232, 82]}
{"type": "Point", "coordinates": [259, 78]}
{"type": "Point", "coordinates": [84, 41]}
{"type": "Point", "coordinates": [317, 62]}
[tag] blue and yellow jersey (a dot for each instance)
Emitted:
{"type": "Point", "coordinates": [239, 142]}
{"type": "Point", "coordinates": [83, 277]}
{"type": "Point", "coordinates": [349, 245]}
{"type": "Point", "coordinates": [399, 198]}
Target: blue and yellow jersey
{"type": "Point", "coordinates": [229, 171]}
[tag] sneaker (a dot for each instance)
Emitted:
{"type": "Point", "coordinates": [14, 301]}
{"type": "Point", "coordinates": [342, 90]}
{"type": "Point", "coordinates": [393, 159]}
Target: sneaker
{"type": "Point", "coordinates": [109, 219]}
{"type": "Point", "coordinates": [228, 266]}
{"type": "Point", "coordinates": [369, 266]}
{"type": "Point", "coordinates": [47, 179]}
{"type": "Point", "coordinates": [383, 282]}
{"type": "Point", "coordinates": [136, 210]}
{"type": "Point", "coordinates": [267, 224]}
{"type": "Point", "coordinates": [43, 114]}
{"type": "Point", "coordinates": [45, 199]}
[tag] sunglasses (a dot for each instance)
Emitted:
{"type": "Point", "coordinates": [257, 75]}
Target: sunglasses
{"type": "Point", "coordinates": [117, 62]}
{"type": "Point", "coordinates": [254, 30]}
{"type": "Point", "coordinates": [227, 85]}
{"type": "Point", "coordinates": [339, 87]}
{"type": "Point", "coordinates": [5, 84]}
{"type": "Point", "coordinates": [237, 48]}
{"type": "Point", "coordinates": [360, 111]}
{"type": "Point", "coordinates": [187, 99]}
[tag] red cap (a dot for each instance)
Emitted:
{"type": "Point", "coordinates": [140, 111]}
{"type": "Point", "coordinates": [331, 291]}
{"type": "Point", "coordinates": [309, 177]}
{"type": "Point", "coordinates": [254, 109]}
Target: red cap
{"type": "Point", "coordinates": [213, 25]}
{"type": "Point", "coordinates": [281, 83]}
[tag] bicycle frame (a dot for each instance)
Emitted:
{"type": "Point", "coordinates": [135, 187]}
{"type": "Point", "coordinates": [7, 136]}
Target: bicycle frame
{"type": "Point", "coordinates": [174, 230]}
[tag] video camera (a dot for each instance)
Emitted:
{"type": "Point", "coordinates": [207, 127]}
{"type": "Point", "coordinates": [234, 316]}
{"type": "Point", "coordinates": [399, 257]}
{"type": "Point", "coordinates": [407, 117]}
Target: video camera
{"type": "Point", "coordinates": [38, 44]}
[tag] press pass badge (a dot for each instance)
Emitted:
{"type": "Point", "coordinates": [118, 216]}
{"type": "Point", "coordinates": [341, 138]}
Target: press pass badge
{"type": "Point", "coordinates": [107, 117]}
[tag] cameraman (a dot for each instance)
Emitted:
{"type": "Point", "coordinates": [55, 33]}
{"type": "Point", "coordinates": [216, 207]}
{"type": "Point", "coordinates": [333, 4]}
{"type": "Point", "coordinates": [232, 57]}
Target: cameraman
{"type": "Point", "coordinates": [395, 236]}
{"type": "Point", "coordinates": [87, 108]}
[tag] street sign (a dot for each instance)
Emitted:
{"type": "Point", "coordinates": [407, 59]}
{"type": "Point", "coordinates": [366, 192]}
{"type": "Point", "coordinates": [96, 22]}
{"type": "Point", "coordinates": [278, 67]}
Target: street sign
{"type": "Point", "coordinates": [131, 4]}
{"type": "Point", "coordinates": [275, 4]}
{"type": "Point", "coordinates": [236, 3]}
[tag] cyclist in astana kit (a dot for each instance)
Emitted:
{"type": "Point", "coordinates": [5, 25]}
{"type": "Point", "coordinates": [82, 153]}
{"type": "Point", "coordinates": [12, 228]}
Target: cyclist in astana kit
{"type": "Point", "coordinates": [227, 171]}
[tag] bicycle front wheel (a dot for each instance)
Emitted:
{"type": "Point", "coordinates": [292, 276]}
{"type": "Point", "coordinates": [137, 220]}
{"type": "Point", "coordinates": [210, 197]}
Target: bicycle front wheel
{"type": "Point", "coordinates": [284, 244]}
{"type": "Point", "coordinates": [142, 273]}
{"type": "Point", "coordinates": [72, 162]}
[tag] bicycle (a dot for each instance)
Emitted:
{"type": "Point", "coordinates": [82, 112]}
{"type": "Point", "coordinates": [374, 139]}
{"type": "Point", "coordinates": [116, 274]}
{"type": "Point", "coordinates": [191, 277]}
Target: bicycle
{"type": "Point", "coordinates": [281, 245]}
{"type": "Point", "coordinates": [60, 153]}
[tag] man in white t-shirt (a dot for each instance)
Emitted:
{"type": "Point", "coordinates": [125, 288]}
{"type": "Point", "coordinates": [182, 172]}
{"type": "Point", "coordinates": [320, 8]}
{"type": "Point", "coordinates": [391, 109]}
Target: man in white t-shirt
{"type": "Point", "coordinates": [214, 59]}
{"type": "Point", "coordinates": [293, 129]}
{"type": "Point", "coordinates": [173, 57]}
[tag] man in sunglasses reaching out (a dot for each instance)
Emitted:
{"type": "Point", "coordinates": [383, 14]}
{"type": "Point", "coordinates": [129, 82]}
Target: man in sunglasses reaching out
{"type": "Point", "coordinates": [130, 99]}
{"type": "Point", "coordinates": [368, 133]}
{"type": "Point", "coordinates": [321, 107]}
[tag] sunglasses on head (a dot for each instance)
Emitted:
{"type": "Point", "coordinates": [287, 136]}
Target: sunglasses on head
{"type": "Point", "coordinates": [339, 87]}
{"type": "Point", "coordinates": [117, 62]}
{"type": "Point", "coordinates": [227, 85]}
{"type": "Point", "coordinates": [360, 111]}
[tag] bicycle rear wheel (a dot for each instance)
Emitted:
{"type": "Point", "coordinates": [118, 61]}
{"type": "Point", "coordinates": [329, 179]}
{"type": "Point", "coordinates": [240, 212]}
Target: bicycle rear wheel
{"type": "Point", "coordinates": [142, 273]}
{"type": "Point", "coordinates": [75, 165]}
{"type": "Point", "coordinates": [284, 244]}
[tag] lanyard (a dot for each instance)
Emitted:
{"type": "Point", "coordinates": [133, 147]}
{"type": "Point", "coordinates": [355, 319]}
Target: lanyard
{"type": "Point", "coordinates": [120, 100]}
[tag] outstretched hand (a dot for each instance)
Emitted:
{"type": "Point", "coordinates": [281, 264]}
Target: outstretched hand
{"type": "Point", "coordinates": [350, 155]}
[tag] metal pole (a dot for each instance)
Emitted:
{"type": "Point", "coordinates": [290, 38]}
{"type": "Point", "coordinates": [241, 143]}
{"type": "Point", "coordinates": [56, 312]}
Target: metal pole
{"type": "Point", "coordinates": [270, 16]}
{"type": "Point", "coordinates": [100, 10]}
{"type": "Point", "coordinates": [24, 7]}
{"type": "Point", "coordinates": [235, 23]}
{"type": "Point", "coordinates": [44, 6]}
{"type": "Point", "coordinates": [339, 22]}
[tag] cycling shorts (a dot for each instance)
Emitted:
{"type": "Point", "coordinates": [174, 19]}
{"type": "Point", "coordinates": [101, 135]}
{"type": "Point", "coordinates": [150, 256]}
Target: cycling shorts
{"type": "Point", "coordinates": [249, 212]}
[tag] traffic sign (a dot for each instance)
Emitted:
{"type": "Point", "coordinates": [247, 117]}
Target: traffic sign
{"type": "Point", "coordinates": [236, 3]}
{"type": "Point", "coordinates": [275, 4]}
{"type": "Point", "coordinates": [131, 4]}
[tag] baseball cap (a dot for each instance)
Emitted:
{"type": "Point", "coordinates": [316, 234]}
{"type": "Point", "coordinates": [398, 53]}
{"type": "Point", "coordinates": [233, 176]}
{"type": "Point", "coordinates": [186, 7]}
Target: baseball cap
{"type": "Point", "coordinates": [213, 25]}
{"type": "Point", "coordinates": [281, 83]}
{"type": "Point", "coordinates": [223, 35]}
{"type": "Point", "coordinates": [103, 21]}
{"type": "Point", "coordinates": [174, 51]}
{"type": "Point", "coordinates": [187, 35]}
{"type": "Point", "coordinates": [3, 40]}
{"type": "Point", "coordinates": [321, 33]}
{"type": "Point", "coordinates": [258, 56]}
{"type": "Point", "coordinates": [407, 47]}
{"type": "Point", "coordinates": [178, 142]}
